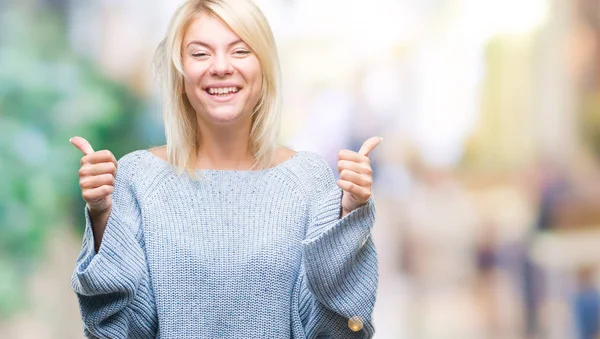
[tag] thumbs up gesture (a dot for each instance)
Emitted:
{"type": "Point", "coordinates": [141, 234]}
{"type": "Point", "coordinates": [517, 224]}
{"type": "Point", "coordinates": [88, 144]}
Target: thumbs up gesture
{"type": "Point", "coordinates": [356, 175]}
{"type": "Point", "coordinates": [96, 176]}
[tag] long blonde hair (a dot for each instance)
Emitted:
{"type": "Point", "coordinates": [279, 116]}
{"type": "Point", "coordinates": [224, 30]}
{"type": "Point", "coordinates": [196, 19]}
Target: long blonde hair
{"type": "Point", "coordinates": [181, 126]}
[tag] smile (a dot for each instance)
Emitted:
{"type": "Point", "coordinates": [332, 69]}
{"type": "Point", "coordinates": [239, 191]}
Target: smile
{"type": "Point", "coordinates": [222, 91]}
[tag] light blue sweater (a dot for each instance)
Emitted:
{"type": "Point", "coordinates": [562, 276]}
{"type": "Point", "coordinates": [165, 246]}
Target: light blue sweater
{"type": "Point", "coordinates": [238, 254]}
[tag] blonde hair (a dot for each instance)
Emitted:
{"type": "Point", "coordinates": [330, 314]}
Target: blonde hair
{"type": "Point", "coordinates": [181, 126]}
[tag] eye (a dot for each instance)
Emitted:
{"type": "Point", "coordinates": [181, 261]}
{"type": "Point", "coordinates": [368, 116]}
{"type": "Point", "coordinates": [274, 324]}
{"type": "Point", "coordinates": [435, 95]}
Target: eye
{"type": "Point", "coordinates": [199, 54]}
{"type": "Point", "coordinates": [242, 52]}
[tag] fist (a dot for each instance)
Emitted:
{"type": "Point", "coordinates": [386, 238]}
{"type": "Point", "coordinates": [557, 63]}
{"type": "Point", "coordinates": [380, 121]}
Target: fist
{"type": "Point", "coordinates": [96, 176]}
{"type": "Point", "coordinates": [356, 175]}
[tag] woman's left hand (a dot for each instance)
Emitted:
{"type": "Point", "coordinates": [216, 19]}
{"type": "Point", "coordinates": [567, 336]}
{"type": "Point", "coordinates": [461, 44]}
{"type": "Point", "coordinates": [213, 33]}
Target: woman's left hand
{"type": "Point", "coordinates": [356, 175]}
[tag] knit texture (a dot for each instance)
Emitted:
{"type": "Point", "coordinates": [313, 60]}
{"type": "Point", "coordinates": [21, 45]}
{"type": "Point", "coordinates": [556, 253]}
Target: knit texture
{"type": "Point", "coordinates": [236, 254]}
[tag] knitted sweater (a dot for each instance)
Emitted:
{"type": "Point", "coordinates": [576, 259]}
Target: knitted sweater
{"type": "Point", "coordinates": [236, 254]}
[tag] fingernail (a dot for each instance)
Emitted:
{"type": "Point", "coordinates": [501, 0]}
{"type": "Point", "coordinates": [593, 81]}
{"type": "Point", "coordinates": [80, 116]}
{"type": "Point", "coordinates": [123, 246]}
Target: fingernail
{"type": "Point", "coordinates": [381, 138]}
{"type": "Point", "coordinates": [70, 139]}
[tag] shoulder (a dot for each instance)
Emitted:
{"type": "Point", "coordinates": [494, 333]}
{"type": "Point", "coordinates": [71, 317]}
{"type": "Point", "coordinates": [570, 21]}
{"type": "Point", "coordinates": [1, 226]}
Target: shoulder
{"type": "Point", "coordinates": [141, 172]}
{"type": "Point", "coordinates": [312, 161]}
{"type": "Point", "coordinates": [159, 152]}
{"type": "Point", "coordinates": [137, 165]}
{"type": "Point", "coordinates": [315, 177]}
{"type": "Point", "coordinates": [132, 161]}
{"type": "Point", "coordinates": [312, 169]}
{"type": "Point", "coordinates": [143, 157]}
{"type": "Point", "coordinates": [283, 154]}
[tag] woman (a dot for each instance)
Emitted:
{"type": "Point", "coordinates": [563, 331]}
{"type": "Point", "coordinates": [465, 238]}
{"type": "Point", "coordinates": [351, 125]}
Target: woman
{"type": "Point", "coordinates": [221, 233]}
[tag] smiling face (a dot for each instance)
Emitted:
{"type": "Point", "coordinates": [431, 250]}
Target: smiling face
{"type": "Point", "coordinates": [224, 77]}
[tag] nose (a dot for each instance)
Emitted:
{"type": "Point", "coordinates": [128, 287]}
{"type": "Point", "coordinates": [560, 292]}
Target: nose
{"type": "Point", "coordinates": [221, 66]}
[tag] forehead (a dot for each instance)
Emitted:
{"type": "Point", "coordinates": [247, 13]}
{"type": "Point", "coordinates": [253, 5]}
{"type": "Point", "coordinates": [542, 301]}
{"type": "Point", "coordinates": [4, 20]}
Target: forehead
{"type": "Point", "coordinates": [209, 29]}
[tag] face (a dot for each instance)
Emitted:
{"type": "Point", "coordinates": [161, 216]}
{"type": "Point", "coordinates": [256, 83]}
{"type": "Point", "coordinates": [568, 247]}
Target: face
{"type": "Point", "coordinates": [224, 77]}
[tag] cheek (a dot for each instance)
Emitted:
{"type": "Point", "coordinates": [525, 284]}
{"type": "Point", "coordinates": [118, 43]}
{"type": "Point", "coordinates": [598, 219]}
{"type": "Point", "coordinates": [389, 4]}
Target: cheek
{"type": "Point", "coordinates": [257, 80]}
{"type": "Point", "coordinates": [256, 89]}
{"type": "Point", "coordinates": [194, 71]}
{"type": "Point", "coordinates": [251, 70]}
{"type": "Point", "coordinates": [189, 89]}
{"type": "Point", "coordinates": [258, 76]}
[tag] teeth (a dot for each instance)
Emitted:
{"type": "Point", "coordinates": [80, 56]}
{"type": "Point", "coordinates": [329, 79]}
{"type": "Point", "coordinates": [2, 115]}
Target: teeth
{"type": "Point", "coordinates": [223, 90]}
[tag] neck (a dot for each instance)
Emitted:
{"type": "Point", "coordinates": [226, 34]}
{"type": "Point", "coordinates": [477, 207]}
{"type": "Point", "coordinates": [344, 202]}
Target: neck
{"type": "Point", "coordinates": [225, 147]}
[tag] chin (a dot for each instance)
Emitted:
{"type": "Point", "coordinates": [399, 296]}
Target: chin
{"type": "Point", "coordinates": [225, 117]}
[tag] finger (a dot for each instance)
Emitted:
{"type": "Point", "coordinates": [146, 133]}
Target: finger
{"type": "Point", "coordinates": [352, 156]}
{"type": "Point", "coordinates": [98, 169]}
{"type": "Point", "coordinates": [97, 193]}
{"type": "Point", "coordinates": [97, 181]}
{"type": "Point", "coordinates": [369, 145]}
{"type": "Point", "coordinates": [99, 157]}
{"type": "Point", "coordinates": [361, 193]}
{"type": "Point", "coordinates": [357, 179]}
{"type": "Point", "coordinates": [358, 167]}
{"type": "Point", "coordinates": [83, 145]}
{"type": "Point", "coordinates": [106, 156]}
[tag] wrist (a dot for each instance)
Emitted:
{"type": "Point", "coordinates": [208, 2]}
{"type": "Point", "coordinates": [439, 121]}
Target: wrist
{"type": "Point", "coordinates": [98, 212]}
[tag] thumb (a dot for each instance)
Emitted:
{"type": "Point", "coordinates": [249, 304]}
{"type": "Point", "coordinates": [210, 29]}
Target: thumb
{"type": "Point", "coordinates": [369, 145]}
{"type": "Point", "coordinates": [83, 145]}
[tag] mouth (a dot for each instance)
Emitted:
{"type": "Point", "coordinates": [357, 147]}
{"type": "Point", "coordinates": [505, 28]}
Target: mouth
{"type": "Point", "coordinates": [222, 92]}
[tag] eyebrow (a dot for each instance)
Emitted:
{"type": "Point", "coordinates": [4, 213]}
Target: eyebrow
{"type": "Point", "coordinates": [198, 42]}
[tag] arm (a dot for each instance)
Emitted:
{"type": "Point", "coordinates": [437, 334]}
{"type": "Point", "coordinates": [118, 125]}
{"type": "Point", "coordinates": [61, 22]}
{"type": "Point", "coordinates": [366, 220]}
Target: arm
{"type": "Point", "coordinates": [96, 179]}
{"type": "Point", "coordinates": [339, 276]}
{"type": "Point", "coordinates": [98, 222]}
{"type": "Point", "coordinates": [113, 285]}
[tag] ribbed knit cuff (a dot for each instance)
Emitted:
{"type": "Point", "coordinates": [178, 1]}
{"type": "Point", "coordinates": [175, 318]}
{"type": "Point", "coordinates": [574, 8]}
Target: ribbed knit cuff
{"type": "Point", "coordinates": [327, 232]}
{"type": "Point", "coordinates": [340, 260]}
{"type": "Point", "coordinates": [119, 264]}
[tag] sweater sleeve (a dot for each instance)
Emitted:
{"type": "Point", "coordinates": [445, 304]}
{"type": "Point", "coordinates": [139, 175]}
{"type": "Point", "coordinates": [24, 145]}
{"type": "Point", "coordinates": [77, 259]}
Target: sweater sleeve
{"type": "Point", "coordinates": [113, 286]}
{"type": "Point", "coordinates": [339, 274]}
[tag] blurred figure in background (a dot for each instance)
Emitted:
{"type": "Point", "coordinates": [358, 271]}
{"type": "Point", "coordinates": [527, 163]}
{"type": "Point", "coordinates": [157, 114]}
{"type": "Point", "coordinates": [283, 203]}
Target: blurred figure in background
{"type": "Point", "coordinates": [586, 304]}
{"type": "Point", "coordinates": [486, 284]}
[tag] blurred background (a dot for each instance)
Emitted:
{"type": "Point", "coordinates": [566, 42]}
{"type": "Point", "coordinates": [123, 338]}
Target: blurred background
{"type": "Point", "coordinates": [487, 181]}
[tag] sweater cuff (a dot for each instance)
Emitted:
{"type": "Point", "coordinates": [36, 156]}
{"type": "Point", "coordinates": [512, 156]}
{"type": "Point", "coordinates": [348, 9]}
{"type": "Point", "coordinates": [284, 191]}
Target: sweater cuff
{"type": "Point", "coordinates": [119, 259]}
{"type": "Point", "coordinates": [340, 260]}
{"type": "Point", "coordinates": [328, 234]}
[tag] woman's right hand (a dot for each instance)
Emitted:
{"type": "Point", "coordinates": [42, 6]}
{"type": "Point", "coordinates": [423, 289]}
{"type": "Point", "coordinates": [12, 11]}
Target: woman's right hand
{"type": "Point", "coordinates": [96, 176]}
{"type": "Point", "coordinates": [97, 181]}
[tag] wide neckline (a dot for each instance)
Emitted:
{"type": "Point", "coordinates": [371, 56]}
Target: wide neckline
{"type": "Point", "coordinates": [227, 171]}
